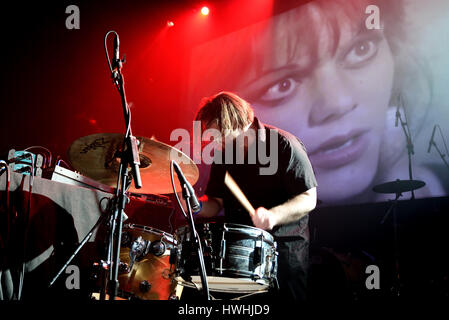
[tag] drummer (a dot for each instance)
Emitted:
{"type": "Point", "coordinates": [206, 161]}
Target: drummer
{"type": "Point", "coordinates": [282, 198]}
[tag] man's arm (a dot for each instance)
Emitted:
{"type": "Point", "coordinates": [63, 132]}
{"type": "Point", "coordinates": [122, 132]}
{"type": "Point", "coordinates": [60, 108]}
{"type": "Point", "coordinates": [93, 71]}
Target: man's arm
{"type": "Point", "coordinates": [211, 207]}
{"type": "Point", "coordinates": [290, 211]}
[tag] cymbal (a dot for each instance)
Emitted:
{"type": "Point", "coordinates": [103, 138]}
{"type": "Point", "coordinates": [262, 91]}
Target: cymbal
{"type": "Point", "coordinates": [398, 186]}
{"type": "Point", "coordinates": [95, 157]}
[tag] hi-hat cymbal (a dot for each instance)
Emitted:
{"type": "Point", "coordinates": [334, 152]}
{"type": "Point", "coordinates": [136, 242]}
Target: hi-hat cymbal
{"type": "Point", "coordinates": [95, 157]}
{"type": "Point", "coordinates": [399, 186]}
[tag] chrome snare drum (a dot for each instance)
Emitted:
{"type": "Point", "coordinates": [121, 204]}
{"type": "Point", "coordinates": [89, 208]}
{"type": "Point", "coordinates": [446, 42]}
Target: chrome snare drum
{"type": "Point", "coordinates": [144, 270]}
{"type": "Point", "coordinates": [238, 258]}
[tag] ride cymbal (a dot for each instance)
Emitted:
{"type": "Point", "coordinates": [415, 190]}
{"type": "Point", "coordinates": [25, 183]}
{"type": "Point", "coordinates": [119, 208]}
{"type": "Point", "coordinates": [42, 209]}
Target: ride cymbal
{"type": "Point", "coordinates": [399, 186]}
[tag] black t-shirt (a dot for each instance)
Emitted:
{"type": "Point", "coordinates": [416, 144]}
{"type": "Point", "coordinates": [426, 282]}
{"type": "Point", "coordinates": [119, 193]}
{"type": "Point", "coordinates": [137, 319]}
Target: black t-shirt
{"type": "Point", "coordinates": [293, 176]}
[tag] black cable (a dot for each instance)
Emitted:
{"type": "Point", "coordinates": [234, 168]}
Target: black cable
{"type": "Point", "coordinates": [8, 181]}
{"type": "Point", "coordinates": [26, 220]}
{"type": "Point", "coordinates": [106, 48]}
{"type": "Point", "coordinates": [8, 218]}
{"type": "Point", "coordinates": [59, 161]}
{"type": "Point", "coordinates": [120, 87]}
{"type": "Point", "coordinates": [47, 160]}
{"type": "Point", "coordinates": [174, 190]}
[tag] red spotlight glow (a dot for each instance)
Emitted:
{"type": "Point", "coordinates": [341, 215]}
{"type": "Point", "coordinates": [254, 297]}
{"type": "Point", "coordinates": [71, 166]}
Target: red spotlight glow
{"type": "Point", "coordinates": [204, 11]}
{"type": "Point", "coordinates": [170, 24]}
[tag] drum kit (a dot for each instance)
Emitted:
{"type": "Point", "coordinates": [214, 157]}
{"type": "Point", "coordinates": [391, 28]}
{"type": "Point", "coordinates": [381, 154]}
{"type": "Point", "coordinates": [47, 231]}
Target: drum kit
{"type": "Point", "coordinates": [156, 265]}
{"type": "Point", "coordinates": [149, 264]}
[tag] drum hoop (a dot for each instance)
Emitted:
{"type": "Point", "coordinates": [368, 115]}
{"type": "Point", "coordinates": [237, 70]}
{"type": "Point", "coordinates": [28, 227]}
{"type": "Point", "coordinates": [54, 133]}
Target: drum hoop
{"type": "Point", "coordinates": [235, 228]}
{"type": "Point", "coordinates": [263, 283]}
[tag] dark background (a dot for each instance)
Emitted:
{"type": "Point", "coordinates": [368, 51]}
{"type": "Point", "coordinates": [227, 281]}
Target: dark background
{"type": "Point", "coordinates": [56, 84]}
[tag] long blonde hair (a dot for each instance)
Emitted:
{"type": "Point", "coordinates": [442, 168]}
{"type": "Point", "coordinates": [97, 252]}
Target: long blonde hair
{"type": "Point", "coordinates": [227, 110]}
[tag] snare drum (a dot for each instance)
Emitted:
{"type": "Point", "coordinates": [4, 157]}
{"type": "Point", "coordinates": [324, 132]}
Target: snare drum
{"type": "Point", "coordinates": [144, 270]}
{"type": "Point", "coordinates": [237, 258]}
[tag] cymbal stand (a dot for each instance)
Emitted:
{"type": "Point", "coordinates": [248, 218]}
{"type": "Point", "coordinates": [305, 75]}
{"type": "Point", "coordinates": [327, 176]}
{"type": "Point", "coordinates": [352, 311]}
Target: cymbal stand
{"type": "Point", "coordinates": [393, 208]}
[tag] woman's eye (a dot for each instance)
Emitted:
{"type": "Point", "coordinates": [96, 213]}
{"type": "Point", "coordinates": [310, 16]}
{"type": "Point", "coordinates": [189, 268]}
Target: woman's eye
{"type": "Point", "coordinates": [280, 90]}
{"type": "Point", "coordinates": [361, 52]}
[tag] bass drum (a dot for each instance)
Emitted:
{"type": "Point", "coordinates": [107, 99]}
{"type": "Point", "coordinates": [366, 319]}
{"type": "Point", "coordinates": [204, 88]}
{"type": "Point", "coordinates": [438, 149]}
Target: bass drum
{"type": "Point", "coordinates": [237, 258]}
{"type": "Point", "coordinates": [144, 270]}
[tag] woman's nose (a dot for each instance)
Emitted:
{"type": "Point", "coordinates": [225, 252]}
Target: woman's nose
{"type": "Point", "coordinates": [333, 96]}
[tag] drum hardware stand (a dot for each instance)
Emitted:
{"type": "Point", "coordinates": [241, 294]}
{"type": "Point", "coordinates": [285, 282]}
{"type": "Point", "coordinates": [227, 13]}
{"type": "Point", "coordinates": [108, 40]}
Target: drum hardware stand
{"type": "Point", "coordinates": [187, 195]}
{"type": "Point", "coordinates": [410, 151]}
{"type": "Point", "coordinates": [129, 156]}
{"type": "Point", "coordinates": [432, 143]}
{"type": "Point", "coordinates": [100, 220]}
{"type": "Point", "coordinates": [442, 155]}
{"type": "Point", "coordinates": [397, 286]}
{"type": "Point", "coordinates": [408, 137]}
{"type": "Point", "coordinates": [205, 286]}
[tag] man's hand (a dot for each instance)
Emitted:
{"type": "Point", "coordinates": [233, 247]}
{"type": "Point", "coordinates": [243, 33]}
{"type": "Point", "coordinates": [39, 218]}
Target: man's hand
{"type": "Point", "coordinates": [263, 219]}
{"type": "Point", "coordinates": [290, 211]}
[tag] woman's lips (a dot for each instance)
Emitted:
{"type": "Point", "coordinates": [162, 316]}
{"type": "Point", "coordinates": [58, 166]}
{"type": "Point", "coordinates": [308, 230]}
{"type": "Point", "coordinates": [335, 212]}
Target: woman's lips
{"type": "Point", "coordinates": [340, 150]}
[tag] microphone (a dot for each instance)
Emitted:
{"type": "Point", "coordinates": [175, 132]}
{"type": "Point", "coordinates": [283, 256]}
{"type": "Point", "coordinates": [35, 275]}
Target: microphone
{"type": "Point", "coordinates": [431, 138]}
{"type": "Point", "coordinates": [117, 62]}
{"type": "Point", "coordinates": [196, 207]}
{"type": "Point", "coordinates": [397, 116]}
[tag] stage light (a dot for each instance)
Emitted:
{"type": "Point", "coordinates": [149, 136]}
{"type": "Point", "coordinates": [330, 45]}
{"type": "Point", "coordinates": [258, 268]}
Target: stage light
{"type": "Point", "coordinates": [204, 11]}
{"type": "Point", "coordinates": [170, 24]}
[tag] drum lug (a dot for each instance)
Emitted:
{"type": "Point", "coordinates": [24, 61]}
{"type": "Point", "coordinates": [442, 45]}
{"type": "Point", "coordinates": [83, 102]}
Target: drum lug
{"type": "Point", "coordinates": [157, 248]}
{"type": "Point", "coordinates": [173, 256]}
{"type": "Point", "coordinates": [223, 249]}
{"type": "Point", "coordinates": [258, 251]}
{"type": "Point", "coordinates": [274, 267]}
{"type": "Point", "coordinates": [173, 297]}
{"type": "Point", "coordinates": [144, 286]}
{"type": "Point", "coordinates": [123, 268]}
{"type": "Point", "coordinates": [222, 254]}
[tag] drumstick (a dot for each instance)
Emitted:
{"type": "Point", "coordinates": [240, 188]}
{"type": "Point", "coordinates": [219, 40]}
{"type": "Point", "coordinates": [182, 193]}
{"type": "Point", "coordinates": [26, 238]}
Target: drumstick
{"type": "Point", "coordinates": [237, 192]}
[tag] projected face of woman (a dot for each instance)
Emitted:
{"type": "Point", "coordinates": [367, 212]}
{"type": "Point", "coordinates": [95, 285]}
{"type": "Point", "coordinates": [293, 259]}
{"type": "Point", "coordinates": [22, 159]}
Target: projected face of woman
{"type": "Point", "coordinates": [335, 103]}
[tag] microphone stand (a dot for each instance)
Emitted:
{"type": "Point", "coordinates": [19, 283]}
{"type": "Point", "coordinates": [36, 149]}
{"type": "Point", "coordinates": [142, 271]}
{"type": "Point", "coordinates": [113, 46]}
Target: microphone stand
{"type": "Point", "coordinates": [410, 152]}
{"type": "Point", "coordinates": [189, 217]}
{"type": "Point", "coordinates": [129, 156]}
{"type": "Point", "coordinates": [442, 155]}
{"type": "Point", "coordinates": [205, 285]}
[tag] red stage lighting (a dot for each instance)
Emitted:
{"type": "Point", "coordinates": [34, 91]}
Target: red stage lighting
{"type": "Point", "coordinates": [204, 11]}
